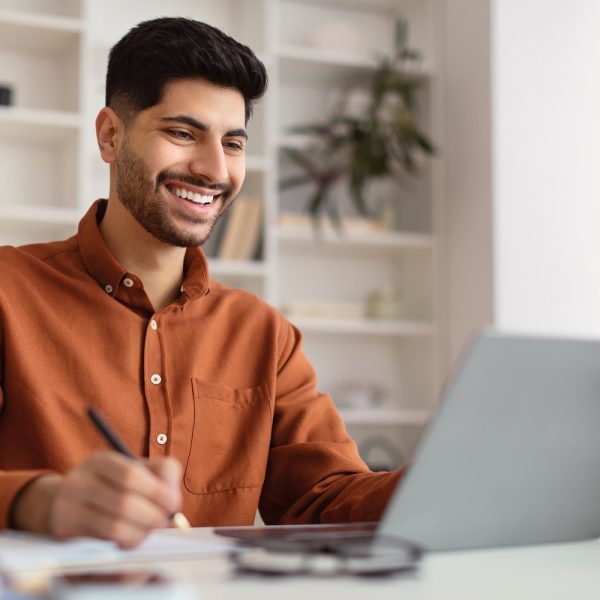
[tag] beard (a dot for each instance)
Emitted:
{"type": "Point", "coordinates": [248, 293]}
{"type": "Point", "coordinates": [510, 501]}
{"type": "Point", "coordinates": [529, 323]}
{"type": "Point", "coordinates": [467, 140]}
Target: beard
{"type": "Point", "coordinates": [154, 212]}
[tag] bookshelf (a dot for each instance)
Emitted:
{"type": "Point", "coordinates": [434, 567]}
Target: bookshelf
{"type": "Point", "coordinates": [55, 54]}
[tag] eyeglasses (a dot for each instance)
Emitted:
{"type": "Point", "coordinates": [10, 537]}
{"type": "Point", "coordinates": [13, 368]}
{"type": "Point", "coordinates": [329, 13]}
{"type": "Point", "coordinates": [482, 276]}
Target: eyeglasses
{"type": "Point", "coordinates": [381, 556]}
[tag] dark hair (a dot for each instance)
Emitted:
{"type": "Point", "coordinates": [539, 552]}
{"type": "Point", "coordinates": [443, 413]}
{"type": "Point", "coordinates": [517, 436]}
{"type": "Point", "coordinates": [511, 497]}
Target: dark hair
{"type": "Point", "coordinates": [155, 52]}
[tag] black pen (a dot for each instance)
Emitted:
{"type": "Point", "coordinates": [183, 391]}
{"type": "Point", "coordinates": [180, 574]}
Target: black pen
{"type": "Point", "coordinates": [178, 519]}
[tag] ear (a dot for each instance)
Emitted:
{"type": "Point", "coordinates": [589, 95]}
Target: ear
{"type": "Point", "coordinates": [109, 129]}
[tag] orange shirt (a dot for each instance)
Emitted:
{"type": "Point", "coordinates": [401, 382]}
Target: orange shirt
{"type": "Point", "coordinates": [217, 379]}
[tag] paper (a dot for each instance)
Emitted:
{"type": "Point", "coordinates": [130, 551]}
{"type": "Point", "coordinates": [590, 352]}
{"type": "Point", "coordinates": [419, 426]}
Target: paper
{"type": "Point", "coordinates": [27, 552]}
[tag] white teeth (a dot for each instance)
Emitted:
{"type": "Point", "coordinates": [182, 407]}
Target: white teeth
{"type": "Point", "coordinates": [194, 197]}
{"type": "Point", "coordinates": [202, 199]}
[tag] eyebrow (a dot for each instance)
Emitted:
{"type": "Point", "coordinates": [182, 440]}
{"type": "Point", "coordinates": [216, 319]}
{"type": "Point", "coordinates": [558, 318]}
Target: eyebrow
{"type": "Point", "coordinates": [241, 132]}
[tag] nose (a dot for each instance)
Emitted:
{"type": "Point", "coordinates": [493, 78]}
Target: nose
{"type": "Point", "coordinates": [210, 162]}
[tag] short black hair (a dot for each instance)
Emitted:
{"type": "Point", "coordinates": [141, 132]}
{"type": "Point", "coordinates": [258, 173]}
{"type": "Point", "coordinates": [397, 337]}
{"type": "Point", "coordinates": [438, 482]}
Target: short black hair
{"type": "Point", "coordinates": [156, 52]}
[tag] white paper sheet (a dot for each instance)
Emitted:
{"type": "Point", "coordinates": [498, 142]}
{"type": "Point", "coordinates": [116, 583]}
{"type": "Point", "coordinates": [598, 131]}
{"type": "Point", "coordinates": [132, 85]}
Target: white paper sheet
{"type": "Point", "coordinates": [27, 552]}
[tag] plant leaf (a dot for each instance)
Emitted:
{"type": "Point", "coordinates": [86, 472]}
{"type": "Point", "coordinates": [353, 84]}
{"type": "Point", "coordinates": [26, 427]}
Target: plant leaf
{"type": "Point", "coordinates": [297, 180]}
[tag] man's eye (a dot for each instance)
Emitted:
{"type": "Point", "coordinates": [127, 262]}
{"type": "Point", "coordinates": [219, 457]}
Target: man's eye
{"type": "Point", "coordinates": [180, 134]}
{"type": "Point", "coordinates": [237, 146]}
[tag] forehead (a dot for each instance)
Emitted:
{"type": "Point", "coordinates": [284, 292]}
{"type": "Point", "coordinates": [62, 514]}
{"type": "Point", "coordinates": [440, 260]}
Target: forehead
{"type": "Point", "coordinates": [212, 104]}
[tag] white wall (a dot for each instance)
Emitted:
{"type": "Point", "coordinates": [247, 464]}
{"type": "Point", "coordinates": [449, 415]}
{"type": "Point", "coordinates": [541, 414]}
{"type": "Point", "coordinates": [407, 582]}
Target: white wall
{"type": "Point", "coordinates": [546, 165]}
{"type": "Point", "coordinates": [466, 265]}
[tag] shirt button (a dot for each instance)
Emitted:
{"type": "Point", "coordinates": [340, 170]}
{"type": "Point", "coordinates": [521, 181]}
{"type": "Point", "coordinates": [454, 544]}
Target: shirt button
{"type": "Point", "coordinates": [154, 324]}
{"type": "Point", "coordinates": [155, 379]}
{"type": "Point", "coordinates": [128, 282]}
{"type": "Point", "coordinates": [161, 438]}
{"type": "Point", "coordinates": [108, 289]}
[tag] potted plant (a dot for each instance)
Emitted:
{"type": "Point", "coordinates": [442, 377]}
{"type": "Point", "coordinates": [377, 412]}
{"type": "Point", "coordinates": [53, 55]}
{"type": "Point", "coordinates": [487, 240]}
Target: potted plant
{"type": "Point", "coordinates": [384, 141]}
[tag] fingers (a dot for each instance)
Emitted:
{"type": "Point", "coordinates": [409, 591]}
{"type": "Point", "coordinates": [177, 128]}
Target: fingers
{"type": "Point", "coordinates": [139, 477]}
{"type": "Point", "coordinates": [168, 469]}
{"type": "Point", "coordinates": [112, 497]}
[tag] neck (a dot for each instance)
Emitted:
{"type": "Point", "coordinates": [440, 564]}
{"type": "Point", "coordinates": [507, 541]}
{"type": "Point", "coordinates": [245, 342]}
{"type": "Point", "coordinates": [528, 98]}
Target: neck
{"type": "Point", "coordinates": [158, 265]}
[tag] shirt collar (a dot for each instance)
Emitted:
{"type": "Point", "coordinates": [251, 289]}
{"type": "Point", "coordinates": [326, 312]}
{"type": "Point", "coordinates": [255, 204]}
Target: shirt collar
{"type": "Point", "coordinates": [109, 274]}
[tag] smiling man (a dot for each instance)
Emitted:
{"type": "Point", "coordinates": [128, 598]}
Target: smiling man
{"type": "Point", "coordinates": [206, 382]}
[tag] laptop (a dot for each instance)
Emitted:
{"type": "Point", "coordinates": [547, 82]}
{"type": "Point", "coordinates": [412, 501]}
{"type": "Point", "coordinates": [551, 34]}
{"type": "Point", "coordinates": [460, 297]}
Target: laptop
{"type": "Point", "coordinates": [511, 458]}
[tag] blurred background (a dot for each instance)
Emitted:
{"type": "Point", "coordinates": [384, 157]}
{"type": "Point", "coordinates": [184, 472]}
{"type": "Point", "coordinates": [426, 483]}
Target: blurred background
{"type": "Point", "coordinates": [417, 170]}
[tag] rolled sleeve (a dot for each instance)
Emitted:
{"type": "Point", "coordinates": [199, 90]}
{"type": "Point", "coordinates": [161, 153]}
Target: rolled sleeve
{"type": "Point", "coordinates": [315, 473]}
{"type": "Point", "coordinates": [11, 483]}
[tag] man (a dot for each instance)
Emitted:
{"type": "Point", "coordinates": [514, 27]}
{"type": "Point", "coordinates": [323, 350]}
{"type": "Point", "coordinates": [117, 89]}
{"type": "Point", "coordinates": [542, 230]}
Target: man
{"type": "Point", "coordinates": [207, 382]}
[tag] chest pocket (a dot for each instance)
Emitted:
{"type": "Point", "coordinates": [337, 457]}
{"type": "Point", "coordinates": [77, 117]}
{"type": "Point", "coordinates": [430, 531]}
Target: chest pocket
{"type": "Point", "coordinates": [230, 438]}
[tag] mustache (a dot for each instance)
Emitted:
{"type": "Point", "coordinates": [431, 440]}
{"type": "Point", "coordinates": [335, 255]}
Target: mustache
{"type": "Point", "coordinates": [220, 188]}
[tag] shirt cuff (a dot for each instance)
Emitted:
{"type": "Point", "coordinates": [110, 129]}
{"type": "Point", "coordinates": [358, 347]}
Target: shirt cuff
{"type": "Point", "coordinates": [11, 483]}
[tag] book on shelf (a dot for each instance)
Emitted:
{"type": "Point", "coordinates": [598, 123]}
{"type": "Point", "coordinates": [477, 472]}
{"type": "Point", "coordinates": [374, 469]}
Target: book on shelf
{"type": "Point", "coordinates": [242, 231]}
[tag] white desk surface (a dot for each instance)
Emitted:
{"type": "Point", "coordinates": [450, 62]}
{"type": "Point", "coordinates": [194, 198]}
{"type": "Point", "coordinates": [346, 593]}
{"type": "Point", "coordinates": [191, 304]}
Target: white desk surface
{"type": "Point", "coordinates": [565, 571]}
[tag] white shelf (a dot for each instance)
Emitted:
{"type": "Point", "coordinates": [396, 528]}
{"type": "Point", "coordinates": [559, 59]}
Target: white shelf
{"type": "Point", "coordinates": [314, 65]}
{"type": "Point", "coordinates": [380, 416]}
{"type": "Point", "coordinates": [236, 268]}
{"type": "Point", "coordinates": [39, 215]}
{"type": "Point", "coordinates": [379, 327]}
{"type": "Point", "coordinates": [333, 58]}
{"type": "Point", "coordinates": [46, 33]}
{"type": "Point", "coordinates": [34, 124]}
{"type": "Point", "coordinates": [376, 239]}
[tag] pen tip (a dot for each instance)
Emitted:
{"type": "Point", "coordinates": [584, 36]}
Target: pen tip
{"type": "Point", "coordinates": [180, 521]}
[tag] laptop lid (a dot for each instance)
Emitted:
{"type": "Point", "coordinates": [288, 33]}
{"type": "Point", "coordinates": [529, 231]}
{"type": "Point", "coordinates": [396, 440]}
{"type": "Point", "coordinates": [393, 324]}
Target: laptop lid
{"type": "Point", "coordinates": [513, 456]}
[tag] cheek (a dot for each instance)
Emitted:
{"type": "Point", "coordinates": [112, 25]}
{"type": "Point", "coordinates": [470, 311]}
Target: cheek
{"type": "Point", "coordinates": [237, 172]}
{"type": "Point", "coordinates": [160, 157]}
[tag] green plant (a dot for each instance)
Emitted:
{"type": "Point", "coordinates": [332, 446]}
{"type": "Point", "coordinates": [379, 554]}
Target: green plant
{"type": "Point", "coordinates": [384, 141]}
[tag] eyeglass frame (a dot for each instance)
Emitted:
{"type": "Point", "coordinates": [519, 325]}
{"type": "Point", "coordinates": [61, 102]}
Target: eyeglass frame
{"type": "Point", "coordinates": [313, 551]}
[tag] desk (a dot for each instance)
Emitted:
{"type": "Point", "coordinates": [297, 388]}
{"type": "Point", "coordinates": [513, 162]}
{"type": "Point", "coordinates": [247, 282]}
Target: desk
{"type": "Point", "coordinates": [565, 571]}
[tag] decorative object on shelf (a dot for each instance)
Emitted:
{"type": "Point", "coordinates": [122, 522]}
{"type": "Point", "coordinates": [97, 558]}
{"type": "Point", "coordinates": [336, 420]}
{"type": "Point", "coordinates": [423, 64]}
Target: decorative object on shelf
{"type": "Point", "coordinates": [385, 140]}
{"type": "Point", "coordinates": [5, 95]}
{"type": "Point", "coordinates": [380, 453]}
{"type": "Point", "coordinates": [384, 303]}
{"type": "Point", "coordinates": [358, 395]}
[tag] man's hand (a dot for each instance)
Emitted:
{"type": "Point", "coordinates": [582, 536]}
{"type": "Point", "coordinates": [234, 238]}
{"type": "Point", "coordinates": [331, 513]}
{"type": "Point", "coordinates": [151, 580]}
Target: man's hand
{"type": "Point", "coordinates": [108, 496]}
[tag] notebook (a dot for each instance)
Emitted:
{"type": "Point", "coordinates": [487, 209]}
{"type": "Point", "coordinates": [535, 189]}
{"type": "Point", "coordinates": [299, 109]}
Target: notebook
{"type": "Point", "coordinates": [511, 458]}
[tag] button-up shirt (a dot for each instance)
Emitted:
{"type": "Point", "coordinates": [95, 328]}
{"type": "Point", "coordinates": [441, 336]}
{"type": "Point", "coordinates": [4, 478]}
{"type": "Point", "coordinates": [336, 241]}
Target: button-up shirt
{"type": "Point", "coordinates": [216, 379]}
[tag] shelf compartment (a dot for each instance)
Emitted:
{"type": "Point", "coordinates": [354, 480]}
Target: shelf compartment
{"type": "Point", "coordinates": [39, 215]}
{"type": "Point", "coordinates": [40, 60]}
{"type": "Point", "coordinates": [381, 416]}
{"type": "Point", "coordinates": [38, 125]}
{"type": "Point", "coordinates": [305, 65]}
{"type": "Point", "coordinates": [38, 33]}
{"type": "Point", "coordinates": [333, 67]}
{"type": "Point", "coordinates": [236, 268]}
{"type": "Point", "coordinates": [38, 158]}
{"type": "Point", "coordinates": [31, 224]}
{"type": "Point", "coordinates": [369, 327]}
{"type": "Point", "coordinates": [383, 239]}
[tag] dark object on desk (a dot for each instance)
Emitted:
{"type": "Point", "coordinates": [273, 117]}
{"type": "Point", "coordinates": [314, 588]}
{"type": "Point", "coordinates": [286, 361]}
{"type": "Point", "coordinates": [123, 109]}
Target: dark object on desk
{"type": "Point", "coordinates": [322, 550]}
{"type": "Point", "coordinates": [5, 95]}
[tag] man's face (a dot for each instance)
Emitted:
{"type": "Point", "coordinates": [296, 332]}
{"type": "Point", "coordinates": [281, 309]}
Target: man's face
{"type": "Point", "coordinates": [181, 163]}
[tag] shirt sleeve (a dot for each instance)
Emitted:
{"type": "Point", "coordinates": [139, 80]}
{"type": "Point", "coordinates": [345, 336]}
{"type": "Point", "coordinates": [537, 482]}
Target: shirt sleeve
{"type": "Point", "coordinates": [11, 482]}
{"type": "Point", "coordinates": [314, 473]}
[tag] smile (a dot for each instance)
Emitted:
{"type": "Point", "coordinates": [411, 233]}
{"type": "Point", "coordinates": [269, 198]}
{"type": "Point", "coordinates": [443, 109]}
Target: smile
{"type": "Point", "coordinates": [193, 196]}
